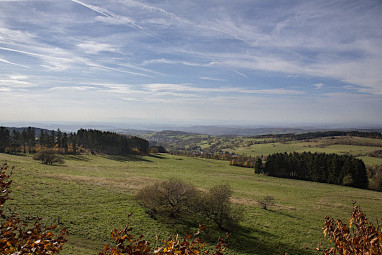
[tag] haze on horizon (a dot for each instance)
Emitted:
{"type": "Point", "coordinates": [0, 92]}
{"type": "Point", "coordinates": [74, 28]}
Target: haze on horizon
{"type": "Point", "coordinates": [220, 62]}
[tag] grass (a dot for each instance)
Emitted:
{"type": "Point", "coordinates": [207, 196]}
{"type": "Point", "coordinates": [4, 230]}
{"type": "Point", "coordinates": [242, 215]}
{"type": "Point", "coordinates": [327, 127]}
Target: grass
{"type": "Point", "coordinates": [319, 145]}
{"type": "Point", "coordinates": [357, 146]}
{"type": "Point", "coordinates": [91, 195]}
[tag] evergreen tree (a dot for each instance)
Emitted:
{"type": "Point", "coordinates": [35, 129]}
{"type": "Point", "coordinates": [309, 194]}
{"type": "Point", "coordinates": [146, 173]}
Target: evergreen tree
{"type": "Point", "coordinates": [43, 138]}
{"type": "Point", "coordinates": [59, 138]}
{"type": "Point", "coordinates": [31, 138]}
{"type": "Point", "coordinates": [52, 140]}
{"type": "Point", "coordinates": [258, 166]}
{"type": "Point", "coordinates": [5, 139]}
{"type": "Point", "coordinates": [319, 167]}
{"type": "Point", "coordinates": [65, 142]}
{"type": "Point", "coordinates": [24, 138]}
{"type": "Point", "coordinates": [15, 140]}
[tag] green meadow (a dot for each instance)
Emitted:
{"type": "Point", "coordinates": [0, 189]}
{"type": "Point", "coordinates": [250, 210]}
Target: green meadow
{"type": "Point", "coordinates": [359, 147]}
{"type": "Point", "coordinates": [91, 195]}
{"type": "Point", "coordinates": [356, 146]}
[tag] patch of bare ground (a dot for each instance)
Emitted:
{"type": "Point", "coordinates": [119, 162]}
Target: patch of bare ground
{"type": "Point", "coordinates": [253, 202]}
{"type": "Point", "coordinates": [127, 184]}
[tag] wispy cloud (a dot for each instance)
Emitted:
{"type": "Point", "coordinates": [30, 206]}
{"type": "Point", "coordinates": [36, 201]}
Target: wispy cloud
{"type": "Point", "coordinates": [155, 87]}
{"type": "Point", "coordinates": [173, 62]}
{"type": "Point", "coordinates": [14, 83]}
{"type": "Point", "coordinates": [233, 56]}
{"type": "Point", "coordinates": [211, 79]}
{"type": "Point", "coordinates": [94, 47]}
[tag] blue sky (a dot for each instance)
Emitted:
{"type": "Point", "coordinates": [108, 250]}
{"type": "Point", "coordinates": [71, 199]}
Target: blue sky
{"type": "Point", "coordinates": [223, 62]}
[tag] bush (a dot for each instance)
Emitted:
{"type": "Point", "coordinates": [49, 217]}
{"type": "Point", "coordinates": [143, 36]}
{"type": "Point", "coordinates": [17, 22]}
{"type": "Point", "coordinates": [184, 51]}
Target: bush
{"type": "Point", "coordinates": [361, 237]}
{"type": "Point", "coordinates": [375, 175]}
{"type": "Point", "coordinates": [266, 202]}
{"type": "Point", "coordinates": [376, 181]}
{"type": "Point", "coordinates": [216, 206]}
{"type": "Point", "coordinates": [48, 157]}
{"type": "Point", "coordinates": [177, 199]}
{"type": "Point", "coordinates": [172, 198]}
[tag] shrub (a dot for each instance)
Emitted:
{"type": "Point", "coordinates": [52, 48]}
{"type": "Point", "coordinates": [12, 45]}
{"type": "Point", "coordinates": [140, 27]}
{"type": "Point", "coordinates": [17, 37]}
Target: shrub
{"type": "Point", "coordinates": [172, 198]}
{"type": "Point", "coordinates": [266, 202]}
{"type": "Point", "coordinates": [177, 199]}
{"type": "Point", "coordinates": [361, 237]}
{"type": "Point", "coordinates": [216, 206]}
{"type": "Point", "coordinates": [376, 180]}
{"type": "Point", "coordinates": [48, 157]}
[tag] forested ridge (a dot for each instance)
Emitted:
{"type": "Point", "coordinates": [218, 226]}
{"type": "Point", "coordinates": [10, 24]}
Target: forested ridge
{"type": "Point", "coordinates": [94, 140]}
{"type": "Point", "coordinates": [311, 135]}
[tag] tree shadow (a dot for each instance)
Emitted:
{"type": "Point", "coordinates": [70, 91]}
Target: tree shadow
{"type": "Point", "coordinates": [243, 240]}
{"type": "Point", "coordinates": [129, 158]}
{"type": "Point", "coordinates": [156, 156]}
{"type": "Point", "coordinates": [283, 213]}
{"type": "Point", "coordinates": [77, 158]}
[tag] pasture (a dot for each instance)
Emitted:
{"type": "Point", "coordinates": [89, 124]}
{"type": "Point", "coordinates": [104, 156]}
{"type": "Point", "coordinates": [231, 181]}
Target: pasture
{"type": "Point", "coordinates": [92, 194]}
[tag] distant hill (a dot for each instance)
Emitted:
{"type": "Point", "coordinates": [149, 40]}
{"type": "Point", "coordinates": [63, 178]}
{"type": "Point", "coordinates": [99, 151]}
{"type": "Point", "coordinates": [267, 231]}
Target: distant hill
{"type": "Point", "coordinates": [251, 131]}
{"type": "Point", "coordinates": [242, 131]}
{"type": "Point", "coordinates": [135, 132]}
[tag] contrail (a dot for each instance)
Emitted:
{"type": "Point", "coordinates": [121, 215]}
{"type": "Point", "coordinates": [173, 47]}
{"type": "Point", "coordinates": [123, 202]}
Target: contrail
{"type": "Point", "coordinates": [63, 59]}
{"type": "Point", "coordinates": [11, 63]}
{"type": "Point", "coordinates": [240, 74]}
{"type": "Point", "coordinates": [110, 14]}
{"type": "Point", "coordinates": [116, 69]}
{"type": "Point", "coordinates": [30, 53]}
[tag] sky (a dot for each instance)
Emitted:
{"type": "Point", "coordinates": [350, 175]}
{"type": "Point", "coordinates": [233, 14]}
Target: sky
{"type": "Point", "coordinates": [200, 62]}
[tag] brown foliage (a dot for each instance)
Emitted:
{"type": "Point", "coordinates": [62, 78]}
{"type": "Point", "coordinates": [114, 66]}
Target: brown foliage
{"type": "Point", "coordinates": [17, 237]}
{"type": "Point", "coordinates": [361, 237]}
{"type": "Point", "coordinates": [126, 243]}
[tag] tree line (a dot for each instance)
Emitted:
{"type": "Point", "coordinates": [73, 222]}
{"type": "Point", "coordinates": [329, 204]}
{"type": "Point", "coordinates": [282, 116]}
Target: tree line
{"type": "Point", "coordinates": [94, 140]}
{"type": "Point", "coordinates": [311, 135]}
{"type": "Point", "coordinates": [111, 143]}
{"type": "Point", "coordinates": [318, 167]}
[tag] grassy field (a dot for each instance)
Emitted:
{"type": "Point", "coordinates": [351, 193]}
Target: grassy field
{"type": "Point", "coordinates": [360, 149]}
{"type": "Point", "coordinates": [91, 195]}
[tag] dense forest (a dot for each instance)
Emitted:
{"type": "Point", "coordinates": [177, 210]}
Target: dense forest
{"type": "Point", "coordinates": [94, 140]}
{"type": "Point", "coordinates": [111, 143]}
{"type": "Point", "coordinates": [318, 167]}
